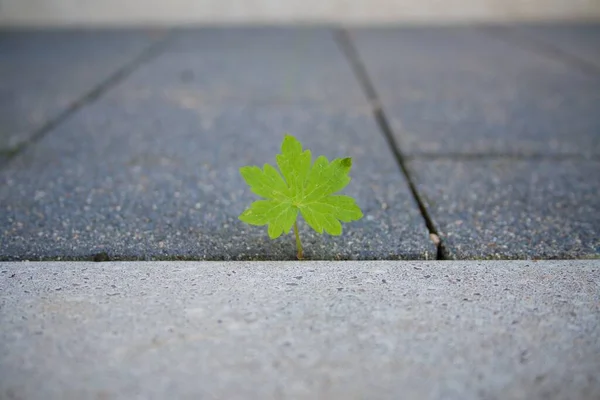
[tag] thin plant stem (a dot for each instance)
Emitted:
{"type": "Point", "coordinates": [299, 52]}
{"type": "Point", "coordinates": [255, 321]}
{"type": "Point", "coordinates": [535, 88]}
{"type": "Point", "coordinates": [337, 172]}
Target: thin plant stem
{"type": "Point", "coordinates": [298, 243]}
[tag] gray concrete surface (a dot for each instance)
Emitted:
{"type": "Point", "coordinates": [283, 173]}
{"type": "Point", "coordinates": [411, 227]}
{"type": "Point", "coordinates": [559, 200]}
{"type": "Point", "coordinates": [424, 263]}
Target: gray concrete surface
{"type": "Point", "coordinates": [498, 132]}
{"type": "Point", "coordinates": [468, 91]}
{"type": "Point", "coordinates": [500, 138]}
{"type": "Point", "coordinates": [507, 208]}
{"type": "Point", "coordinates": [253, 65]}
{"type": "Point", "coordinates": [150, 170]}
{"type": "Point", "coordinates": [43, 73]}
{"type": "Point", "coordinates": [301, 330]}
{"type": "Point", "coordinates": [581, 41]}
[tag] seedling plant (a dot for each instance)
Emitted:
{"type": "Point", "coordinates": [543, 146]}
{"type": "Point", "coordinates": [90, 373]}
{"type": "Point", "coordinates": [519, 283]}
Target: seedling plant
{"type": "Point", "coordinates": [300, 186]}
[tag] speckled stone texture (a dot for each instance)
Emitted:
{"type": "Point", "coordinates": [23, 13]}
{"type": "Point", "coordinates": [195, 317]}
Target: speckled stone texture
{"type": "Point", "coordinates": [577, 40]}
{"type": "Point", "coordinates": [310, 330]}
{"type": "Point", "coordinates": [150, 170]}
{"type": "Point", "coordinates": [259, 66]}
{"type": "Point", "coordinates": [42, 73]}
{"type": "Point", "coordinates": [457, 91]}
{"type": "Point", "coordinates": [501, 137]}
{"type": "Point", "coordinates": [517, 209]}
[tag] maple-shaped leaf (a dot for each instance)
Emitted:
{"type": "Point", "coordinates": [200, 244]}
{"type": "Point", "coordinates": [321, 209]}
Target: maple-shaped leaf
{"type": "Point", "coordinates": [301, 187]}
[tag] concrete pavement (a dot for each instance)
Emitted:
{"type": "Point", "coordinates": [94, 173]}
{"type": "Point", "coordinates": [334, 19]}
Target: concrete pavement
{"type": "Point", "coordinates": [132, 146]}
{"type": "Point", "coordinates": [467, 143]}
{"type": "Point", "coordinates": [300, 330]}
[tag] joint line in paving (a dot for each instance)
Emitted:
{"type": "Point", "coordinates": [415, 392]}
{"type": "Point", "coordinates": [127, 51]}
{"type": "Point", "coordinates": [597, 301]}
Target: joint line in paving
{"type": "Point", "coordinates": [541, 47]}
{"type": "Point", "coordinates": [153, 50]}
{"type": "Point", "coordinates": [342, 37]}
{"type": "Point", "coordinates": [501, 156]}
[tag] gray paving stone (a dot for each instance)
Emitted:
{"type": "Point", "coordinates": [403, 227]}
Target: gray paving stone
{"type": "Point", "coordinates": [42, 73]}
{"type": "Point", "coordinates": [579, 40]}
{"type": "Point", "coordinates": [310, 330]}
{"type": "Point", "coordinates": [151, 169]}
{"type": "Point", "coordinates": [254, 65]}
{"type": "Point", "coordinates": [146, 178]}
{"type": "Point", "coordinates": [509, 208]}
{"type": "Point", "coordinates": [464, 91]}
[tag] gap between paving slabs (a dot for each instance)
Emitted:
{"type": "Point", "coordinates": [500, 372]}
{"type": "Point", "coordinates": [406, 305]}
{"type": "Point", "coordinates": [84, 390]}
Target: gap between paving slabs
{"type": "Point", "coordinates": [345, 42]}
{"type": "Point", "coordinates": [395, 231]}
{"type": "Point", "coordinates": [350, 52]}
{"type": "Point", "coordinates": [419, 92]}
{"type": "Point", "coordinates": [528, 41]}
{"type": "Point", "coordinates": [146, 54]}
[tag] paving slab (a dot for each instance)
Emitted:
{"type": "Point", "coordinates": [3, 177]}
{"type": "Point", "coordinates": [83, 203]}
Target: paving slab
{"type": "Point", "coordinates": [147, 172]}
{"type": "Point", "coordinates": [581, 41]}
{"type": "Point", "coordinates": [301, 330]}
{"type": "Point", "coordinates": [513, 208]}
{"type": "Point", "coordinates": [43, 73]}
{"type": "Point", "coordinates": [252, 65]}
{"type": "Point", "coordinates": [459, 90]}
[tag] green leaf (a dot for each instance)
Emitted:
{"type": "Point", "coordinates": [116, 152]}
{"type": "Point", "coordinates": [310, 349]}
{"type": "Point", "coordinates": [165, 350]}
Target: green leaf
{"type": "Point", "coordinates": [300, 188]}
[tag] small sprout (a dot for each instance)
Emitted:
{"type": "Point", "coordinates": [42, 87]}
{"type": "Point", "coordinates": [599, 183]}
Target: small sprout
{"type": "Point", "coordinates": [305, 188]}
